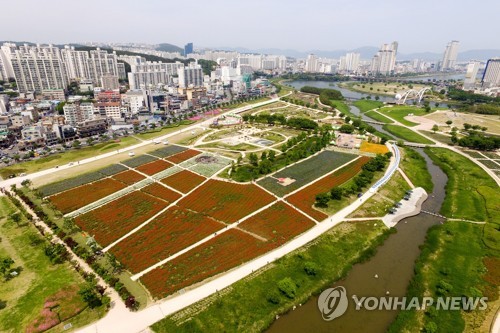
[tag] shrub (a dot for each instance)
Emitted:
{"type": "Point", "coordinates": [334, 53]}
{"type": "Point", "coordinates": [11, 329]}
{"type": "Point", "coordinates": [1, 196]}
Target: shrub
{"type": "Point", "coordinates": [274, 297]}
{"type": "Point", "coordinates": [311, 268]}
{"type": "Point", "coordinates": [287, 287]}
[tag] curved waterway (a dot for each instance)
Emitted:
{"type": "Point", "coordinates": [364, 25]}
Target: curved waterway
{"type": "Point", "coordinates": [393, 264]}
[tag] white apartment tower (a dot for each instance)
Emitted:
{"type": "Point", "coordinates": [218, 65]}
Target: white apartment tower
{"type": "Point", "coordinates": [491, 76]}
{"type": "Point", "coordinates": [38, 68]}
{"type": "Point", "coordinates": [385, 59]}
{"type": "Point", "coordinates": [349, 63]}
{"type": "Point", "coordinates": [191, 75]}
{"type": "Point", "coordinates": [450, 56]}
{"type": "Point", "coordinates": [311, 64]}
{"type": "Point", "coordinates": [470, 74]}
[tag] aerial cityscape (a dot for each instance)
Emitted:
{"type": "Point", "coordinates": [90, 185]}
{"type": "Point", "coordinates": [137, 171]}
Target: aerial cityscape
{"type": "Point", "coordinates": [265, 167]}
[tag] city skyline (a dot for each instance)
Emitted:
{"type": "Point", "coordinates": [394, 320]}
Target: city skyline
{"type": "Point", "coordinates": [273, 25]}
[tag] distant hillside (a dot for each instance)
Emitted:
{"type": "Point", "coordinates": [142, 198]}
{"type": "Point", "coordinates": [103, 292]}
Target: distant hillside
{"type": "Point", "coordinates": [165, 47]}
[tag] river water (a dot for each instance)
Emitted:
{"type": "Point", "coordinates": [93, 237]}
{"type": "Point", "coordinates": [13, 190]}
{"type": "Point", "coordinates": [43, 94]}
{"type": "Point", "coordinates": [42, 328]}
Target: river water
{"type": "Point", "coordinates": [393, 264]}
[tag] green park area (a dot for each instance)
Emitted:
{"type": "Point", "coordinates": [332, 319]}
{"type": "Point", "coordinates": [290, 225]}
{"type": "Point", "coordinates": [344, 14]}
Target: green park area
{"type": "Point", "coordinates": [43, 293]}
{"type": "Point", "coordinates": [407, 134]}
{"type": "Point", "coordinates": [366, 105]}
{"type": "Point", "coordinates": [399, 113]}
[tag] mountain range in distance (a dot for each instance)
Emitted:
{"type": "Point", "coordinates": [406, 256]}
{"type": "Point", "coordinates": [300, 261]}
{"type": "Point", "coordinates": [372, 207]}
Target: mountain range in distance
{"type": "Point", "coordinates": [366, 52]}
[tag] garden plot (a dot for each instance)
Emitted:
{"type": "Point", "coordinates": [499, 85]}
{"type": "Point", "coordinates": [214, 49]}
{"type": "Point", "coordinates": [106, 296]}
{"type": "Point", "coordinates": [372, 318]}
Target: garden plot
{"type": "Point", "coordinates": [139, 160]}
{"type": "Point", "coordinates": [304, 172]}
{"type": "Point", "coordinates": [167, 151]}
{"type": "Point", "coordinates": [206, 164]}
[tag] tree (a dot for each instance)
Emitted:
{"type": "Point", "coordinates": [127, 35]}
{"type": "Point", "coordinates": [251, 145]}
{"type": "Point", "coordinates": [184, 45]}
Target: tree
{"type": "Point", "coordinates": [336, 193]}
{"type": "Point", "coordinates": [322, 200]}
{"type": "Point", "coordinates": [89, 294]}
{"type": "Point", "coordinates": [287, 287]}
{"type": "Point", "coordinates": [254, 159]}
{"type": "Point", "coordinates": [263, 156]}
{"type": "Point", "coordinates": [435, 128]}
{"type": "Point", "coordinates": [16, 218]}
{"type": "Point", "coordinates": [271, 156]}
{"type": "Point", "coordinates": [449, 122]}
{"type": "Point", "coordinates": [76, 144]}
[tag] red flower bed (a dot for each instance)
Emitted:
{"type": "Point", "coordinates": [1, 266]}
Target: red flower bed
{"type": "Point", "coordinates": [81, 196]}
{"type": "Point", "coordinates": [305, 198]}
{"type": "Point", "coordinates": [225, 201]}
{"type": "Point", "coordinates": [157, 190]}
{"type": "Point", "coordinates": [129, 177]}
{"type": "Point", "coordinates": [169, 233]}
{"type": "Point", "coordinates": [183, 181]}
{"type": "Point", "coordinates": [279, 223]}
{"type": "Point", "coordinates": [115, 219]}
{"type": "Point", "coordinates": [228, 250]}
{"type": "Point", "coordinates": [154, 167]}
{"type": "Point", "coordinates": [183, 156]}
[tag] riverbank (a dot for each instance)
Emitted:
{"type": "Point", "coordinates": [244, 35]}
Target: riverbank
{"type": "Point", "coordinates": [408, 208]}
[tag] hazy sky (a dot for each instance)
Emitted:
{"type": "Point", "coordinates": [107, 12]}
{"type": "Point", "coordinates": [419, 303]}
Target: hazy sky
{"type": "Point", "coordinates": [425, 25]}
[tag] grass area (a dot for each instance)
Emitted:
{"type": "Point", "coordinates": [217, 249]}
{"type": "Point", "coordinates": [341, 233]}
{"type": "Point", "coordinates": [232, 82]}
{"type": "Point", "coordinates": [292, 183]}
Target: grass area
{"type": "Point", "coordinates": [342, 107]}
{"type": "Point", "coordinates": [452, 263]}
{"type": "Point", "coordinates": [471, 193]}
{"type": "Point", "coordinates": [271, 136]}
{"type": "Point", "coordinates": [25, 294]}
{"type": "Point", "coordinates": [383, 88]}
{"type": "Point", "coordinates": [306, 171]}
{"type": "Point", "coordinates": [378, 117]}
{"type": "Point", "coordinates": [221, 134]}
{"type": "Point", "coordinates": [406, 134]}
{"type": "Point", "coordinates": [399, 112]}
{"type": "Point", "coordinates": [366, 105]}
{"type": "Point", "coordinates": [415, 168]}
{"type": "Point", "coordinates": [439, 137]}
{"type": "Point", "coordinates": [379, 204]}
{"type": "Point", "coordinates": [66, 157]}
{"type": "Point", "coordinates": [165, 130]}
{"type": "Point", "coordinates": [250, 305]}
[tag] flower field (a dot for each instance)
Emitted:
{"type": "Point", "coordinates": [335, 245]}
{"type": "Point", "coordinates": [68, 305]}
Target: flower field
{"type": "Point", "coordinates": [306, 171]}
{"type": "Point", "coordinates": [86, 178]}
{"type": "Point", "coordinates": [159, 191]}
{"type": "Point", "coordinates": [278, 223]}
{"type": "Point", "coordinates": [134, 162]}
{"type": "Point", "coordinates": [153, 167]}
{"type": "Point", "coordinates": [183, 181]}
{"type": "Point", "coordinates": [183, 156]}
{"type": "Point", "coordinates": [226, 251]}
{"type": "Point", "coordinates": [81, 196]}
{"type": "Point", "coordinates": [167, 151]}
{"type": "Point", "coordinates": [375, 148]}
{"type": "Point", "coordinates": [115, 219]}
{"type": "Point", "coordinates": [128, 177]}
{"type": "Point", "coordinates": [169, 233]}
{"type": "Point", "coordinates": [305, 198]}
{"type": "Point", "coordinates": [227, 202]}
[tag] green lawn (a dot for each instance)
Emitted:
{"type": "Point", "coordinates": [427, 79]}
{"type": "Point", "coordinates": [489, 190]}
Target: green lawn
{"type": "Point", "coordinates": [250, 305]}
{"type": "Point", "coordinates": [438, 137]}
{"type": "Point", "coordinates": [406, 134]}
{"type": "Point", "coordinates": [453, 256]}
{"type": "Point", "coordinates": [66, 157]}
{"type": "Point", "coordinates": [342, 107]}
{"type": "Point", "coordinates": [378, 117]}
{"type": "Point", "coordinates": [366, 105]}
{"type": "Point", "coordinates": [39, 279]}
{"type": "Point", "coordinates": [149, 135]}
{"type": "Point", "coordinates": [414, 166]}
{"type": "Point", "coordinates": [399, 112]}
{"type": "Point", "coordinates": [471, 193]}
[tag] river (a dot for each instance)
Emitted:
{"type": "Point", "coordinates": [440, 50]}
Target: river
{"type": "Point", "coordinates": [393, 264]}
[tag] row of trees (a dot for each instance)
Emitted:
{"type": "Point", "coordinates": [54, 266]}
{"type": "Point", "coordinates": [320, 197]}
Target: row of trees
{"type": "Point", "coordinates": [358, 183]}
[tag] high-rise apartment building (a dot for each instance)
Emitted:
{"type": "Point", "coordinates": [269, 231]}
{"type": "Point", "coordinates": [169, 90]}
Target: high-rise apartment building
{"type": "Point", "coordinates": [470, 74]}
{"type": "Point", "coordinates": [191, 75]}
{"type": "Point", "coordinates": [102, 63]}
{"type": "Point", "coordinates": [491, 76]}
{"type": "Point", "coordinates": [38, 68]}
{"type": "Point", "coordinates": [349, 63]}
{"type": "Point", "coordinates": [150, 74]}
{"type": "Point", "coordinates": [312, 64]}
{"type": "Point", "coordinates": [385, 59]}
{"type": "Point", "coordinates": [188, 49]}
{"type": "Point", "coordinates": [450, 56]}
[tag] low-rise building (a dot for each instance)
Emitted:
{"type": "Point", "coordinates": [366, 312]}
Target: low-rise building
{"type": "Point", "coordinates": [91, 127]}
